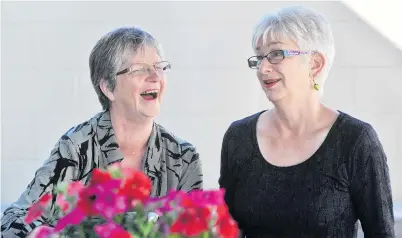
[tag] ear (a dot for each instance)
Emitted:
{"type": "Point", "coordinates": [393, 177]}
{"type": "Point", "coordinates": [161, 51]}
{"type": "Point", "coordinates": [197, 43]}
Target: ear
{"type": "Point", "coordinates": [105, 89]}
{"type": "Point", "coordinates": [317, 64]}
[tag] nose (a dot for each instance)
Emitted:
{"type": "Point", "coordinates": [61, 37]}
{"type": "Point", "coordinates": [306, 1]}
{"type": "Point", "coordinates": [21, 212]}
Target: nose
{"type": "Point", "coordinates": [153, 75]}
{"type": "Point", "coordinates": [265, 66]}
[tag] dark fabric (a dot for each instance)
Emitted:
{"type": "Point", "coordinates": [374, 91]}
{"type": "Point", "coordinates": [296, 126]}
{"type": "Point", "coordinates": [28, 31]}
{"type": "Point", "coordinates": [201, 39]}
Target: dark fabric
{"type": "Point", "coordinates": [346, 180]}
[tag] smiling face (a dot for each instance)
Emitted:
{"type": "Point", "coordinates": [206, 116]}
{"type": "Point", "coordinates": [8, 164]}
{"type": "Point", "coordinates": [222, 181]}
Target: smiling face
{"type": "Point", "coordinates": [289, 77]}
{"type": "Point", "coordinates": [138, 92]}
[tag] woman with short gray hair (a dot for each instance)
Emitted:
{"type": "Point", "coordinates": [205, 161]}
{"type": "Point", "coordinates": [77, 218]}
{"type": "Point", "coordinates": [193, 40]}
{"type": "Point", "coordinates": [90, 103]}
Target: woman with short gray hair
{"type": "Point", "coordinates": [302, 169]}
{"type": "Point", "coordinates": [128, 73]}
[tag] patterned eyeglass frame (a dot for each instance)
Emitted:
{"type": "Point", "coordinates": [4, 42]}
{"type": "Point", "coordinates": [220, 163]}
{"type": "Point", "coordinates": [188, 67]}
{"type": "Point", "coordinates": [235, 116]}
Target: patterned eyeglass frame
{"type": "Point", "coordinates": [286, 53]}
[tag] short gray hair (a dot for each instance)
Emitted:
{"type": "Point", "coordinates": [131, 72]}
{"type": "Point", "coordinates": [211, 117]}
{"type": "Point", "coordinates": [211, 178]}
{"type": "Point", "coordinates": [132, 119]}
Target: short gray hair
{"type": "Point", "coordinates": [306, 27]}
{"type": "Point", "coordinates": [112, 52]}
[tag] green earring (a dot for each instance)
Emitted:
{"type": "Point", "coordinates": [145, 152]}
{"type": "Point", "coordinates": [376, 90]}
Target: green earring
{"type": "Point", "coordinates": [315, 86]}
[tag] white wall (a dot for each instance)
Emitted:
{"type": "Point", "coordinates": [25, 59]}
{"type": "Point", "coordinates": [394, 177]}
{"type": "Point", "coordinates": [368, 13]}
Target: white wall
{"type": "Point", "coordinates": [46, 87]}
{"type": "Point", "coordinates": [384, 17]}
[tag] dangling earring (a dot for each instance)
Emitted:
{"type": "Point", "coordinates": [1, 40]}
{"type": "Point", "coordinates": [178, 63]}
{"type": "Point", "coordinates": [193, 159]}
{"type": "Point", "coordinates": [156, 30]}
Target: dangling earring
{"type": "Point", "coordinates": [316, 86]}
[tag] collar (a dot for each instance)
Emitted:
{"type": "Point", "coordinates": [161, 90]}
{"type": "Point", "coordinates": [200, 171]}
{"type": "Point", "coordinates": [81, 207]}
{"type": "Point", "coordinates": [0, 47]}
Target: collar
{"type": "Point", "coordinates": [110, 149]}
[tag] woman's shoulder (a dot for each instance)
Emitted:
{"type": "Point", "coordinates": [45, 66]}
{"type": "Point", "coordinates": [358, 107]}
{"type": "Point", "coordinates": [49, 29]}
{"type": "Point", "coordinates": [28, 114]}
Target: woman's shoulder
{"type": "Point", "coordinates": [351, 126]}
{"type": "Point", "coordinates": [244, 125]}
{"type": "Point", "coordinates": [173, 142]}
{"type": "Point", "coordinates": [354, 133]}
{"type": "Point", "coordinates": [84, 131]}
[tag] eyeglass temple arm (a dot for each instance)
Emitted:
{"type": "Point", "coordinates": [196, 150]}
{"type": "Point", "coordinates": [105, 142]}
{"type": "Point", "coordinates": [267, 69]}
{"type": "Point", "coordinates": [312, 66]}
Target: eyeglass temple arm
{"type": "Point", "coordinates": [287, 53]}
{"type": "Point", "coordinates": [124, 71]}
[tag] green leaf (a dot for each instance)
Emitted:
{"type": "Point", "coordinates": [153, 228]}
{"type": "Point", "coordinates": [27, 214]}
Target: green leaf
{"type": "Point", "coordinates": [82, 231]}
{"type": "Point", "coordinates": [173, 236]}
{"type": "Point", "coordinates": [205, 234]}
{"type": "Point", "coordinates": [135, 236]}
{"type": "Point", "coordinates": [118, 219]}
{"type": "Point", "coordinates": [62, 188]}
{"type": "Point", "coordinates": [146, 228]}
{"type": "Point", "coordinates": [115, 173]}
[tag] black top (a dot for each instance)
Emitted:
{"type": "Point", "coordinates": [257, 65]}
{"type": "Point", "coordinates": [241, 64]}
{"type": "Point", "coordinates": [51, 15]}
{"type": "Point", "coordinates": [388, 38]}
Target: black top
{"type": "Point", "coordinates": [345, 180]}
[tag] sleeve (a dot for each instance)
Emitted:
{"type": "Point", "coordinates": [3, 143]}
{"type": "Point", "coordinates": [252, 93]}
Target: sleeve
{"type": "Point", "coordinates": [370, 187]}
{"type": "Point", "coordinates": [59, 167]}
{"type": "Point", "coordinates": [192, 177]}
{"type": "Point", "coordinates": [226, 179]}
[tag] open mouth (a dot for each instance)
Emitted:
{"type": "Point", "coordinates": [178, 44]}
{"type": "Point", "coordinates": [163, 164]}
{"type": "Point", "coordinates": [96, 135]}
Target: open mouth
{"type": "Point", "coordinates": [271, 81]}
{"type": "Point", "coordinates": [150, 94]}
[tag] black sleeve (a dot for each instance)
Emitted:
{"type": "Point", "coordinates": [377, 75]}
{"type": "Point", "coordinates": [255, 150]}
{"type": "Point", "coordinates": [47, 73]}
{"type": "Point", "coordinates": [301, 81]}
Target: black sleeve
{"type": "Point", "coordinates": [370, 186]}
{"type": "Point", "coordinates": [226, 179]}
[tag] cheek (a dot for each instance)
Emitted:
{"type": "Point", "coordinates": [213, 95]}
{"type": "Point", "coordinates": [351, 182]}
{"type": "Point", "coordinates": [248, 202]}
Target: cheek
{"type": "Point", "coordinates": [259, 75]}
{"type": "Point", "coordinates": [128, 89]}
{"type": "Point", "coordinates": [163, 85]}
{"type": "Point", "coordinates": [292, 72]}
{"type": "Point", "coordinates": [301, 67]}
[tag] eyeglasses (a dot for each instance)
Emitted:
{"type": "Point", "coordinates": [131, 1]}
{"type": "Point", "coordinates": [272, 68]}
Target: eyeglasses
{"type": "Point", "coordinates": [273, 57]}
{"type": "Point", "coordinates": [146, 69]}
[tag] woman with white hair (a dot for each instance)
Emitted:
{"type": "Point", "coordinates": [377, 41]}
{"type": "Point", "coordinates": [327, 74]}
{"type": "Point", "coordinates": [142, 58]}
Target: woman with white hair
{"type": "Point", "coordinates": [302, 169]}
{"type": "Point", "coordinates": [128, 73]}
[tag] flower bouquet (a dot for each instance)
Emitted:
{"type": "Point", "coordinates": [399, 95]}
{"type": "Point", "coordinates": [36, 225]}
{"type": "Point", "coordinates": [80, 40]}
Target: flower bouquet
{"type": "Point", "coordinates": [116, 203]}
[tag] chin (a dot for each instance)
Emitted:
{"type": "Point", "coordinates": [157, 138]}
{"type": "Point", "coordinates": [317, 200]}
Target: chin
{"type": "Point", "coordinates": [150, 112]}
{"type": "Point", "coordinates": [274, 97]}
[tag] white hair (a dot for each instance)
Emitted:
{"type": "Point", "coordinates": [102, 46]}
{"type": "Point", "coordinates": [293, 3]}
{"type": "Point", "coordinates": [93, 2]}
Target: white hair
{"type": "Point", "coordinates": [306, 27]}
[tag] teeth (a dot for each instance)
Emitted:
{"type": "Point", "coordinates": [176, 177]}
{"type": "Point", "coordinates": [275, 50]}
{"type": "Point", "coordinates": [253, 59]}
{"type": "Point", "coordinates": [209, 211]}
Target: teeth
{"type": "Point", "coordinates": [271, 81]}
{"type": "Point", "coordinates": [150, 91]}
{"type": "Point", "coordinates": [153, 93]}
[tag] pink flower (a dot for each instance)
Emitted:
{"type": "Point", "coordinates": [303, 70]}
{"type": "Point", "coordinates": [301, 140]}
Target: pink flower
{"type": "Point", "coordinates": [165, 204]}
{"type": "Point", "coordinates": [207, 198]}
{"type": "Point", "coordinates": [89, 196]}
{"type": "Point", "coordinates": [110, 204]}
{"type": "Point", "coordinates": [74, 188]}
{"type": "Point", "coordinates": [75, 217]}
{"type": "Point", "coordinates": [111, 230]}
{"type": "Point", "coordinates": [62, 203]}
{"type": "Point", "coordinates": [43, 232]}
{"type": "Point", "coordinates": [38, 208]}
{"type": "Point", "coordinates": [118, 190]}
{"type": "Point", "coordinates": [94, 200]}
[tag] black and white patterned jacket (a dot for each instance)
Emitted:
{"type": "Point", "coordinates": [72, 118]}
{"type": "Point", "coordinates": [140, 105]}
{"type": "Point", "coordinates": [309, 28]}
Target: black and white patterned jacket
{"type": "Point", "coordinates": [171, 163]}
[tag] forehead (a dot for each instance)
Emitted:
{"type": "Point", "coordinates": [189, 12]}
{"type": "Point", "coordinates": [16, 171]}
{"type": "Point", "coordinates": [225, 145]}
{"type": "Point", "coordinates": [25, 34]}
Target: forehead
{"type": "Point", "coordinates": [273, 39]}
{"type": "Point", "coordinates": [145, 54]}
{"type": "Point", "coordinates": [267, 44]}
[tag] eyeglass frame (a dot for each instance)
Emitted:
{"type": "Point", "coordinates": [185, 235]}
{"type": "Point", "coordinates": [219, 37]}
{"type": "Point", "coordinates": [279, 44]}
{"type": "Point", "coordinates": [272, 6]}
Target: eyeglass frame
{"type": "Point", "coordinates": [285, 53]}
{"type": "Point", "coordinates": [130, 68]}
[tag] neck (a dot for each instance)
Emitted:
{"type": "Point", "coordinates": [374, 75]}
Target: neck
{"type": "Point", "coordinates": [295, 116]}
{"type": "Point", "coordinates": [131, 133]}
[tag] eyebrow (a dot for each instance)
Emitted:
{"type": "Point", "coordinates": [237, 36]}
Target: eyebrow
{"type": "Point", "coordinates": [270, 44]}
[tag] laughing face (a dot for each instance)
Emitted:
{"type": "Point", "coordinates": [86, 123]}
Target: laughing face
{"type": "Point", "coordinates": [140, 88]}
